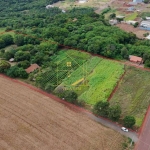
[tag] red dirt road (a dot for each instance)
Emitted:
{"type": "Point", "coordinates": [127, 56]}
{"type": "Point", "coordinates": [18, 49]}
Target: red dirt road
{"type": "Point", "coordinates": [144, 139]}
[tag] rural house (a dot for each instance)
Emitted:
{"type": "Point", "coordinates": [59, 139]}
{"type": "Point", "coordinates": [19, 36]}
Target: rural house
{"type": "Point", "coordinates": [145, 25]}
{"type": "Point", "coordinates": [32, 68]}
{"type": "Point", "coordinates": [135, 59]}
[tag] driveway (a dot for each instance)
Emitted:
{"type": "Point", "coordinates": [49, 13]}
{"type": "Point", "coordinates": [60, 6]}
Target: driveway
{"type": "Point", "coordinates": [112, 125]}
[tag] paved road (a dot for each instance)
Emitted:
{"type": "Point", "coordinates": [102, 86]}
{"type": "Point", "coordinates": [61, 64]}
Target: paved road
{"type": "Point", "coordinates": [107, 123]}
{"type": "Point", "coordinates": [144, 139]}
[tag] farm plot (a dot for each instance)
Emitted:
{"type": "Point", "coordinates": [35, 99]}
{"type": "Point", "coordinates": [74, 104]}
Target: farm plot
{"type": "Point", "coordinates": [102, 81]}
{"type": "Point", "coordinates": [54, 126]}
{"type": "Point", "coordinates": [133, 94]}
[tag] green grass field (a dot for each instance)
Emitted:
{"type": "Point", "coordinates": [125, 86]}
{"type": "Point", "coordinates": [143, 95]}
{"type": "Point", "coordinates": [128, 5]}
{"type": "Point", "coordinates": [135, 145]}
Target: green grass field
{"type": "Point", "coordinates": [133, 94]}
{"type": "Point", "coordinates": [131, 16]}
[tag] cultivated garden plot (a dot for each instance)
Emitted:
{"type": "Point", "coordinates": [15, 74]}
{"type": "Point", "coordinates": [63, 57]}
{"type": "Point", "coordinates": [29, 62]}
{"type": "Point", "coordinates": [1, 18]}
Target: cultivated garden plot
{"type": "Point", "coordinates": [92, 78]}
{"type": "Point", "coordinates": [133, 94]}
{"type": "Point", "coordinates": [32, 121]}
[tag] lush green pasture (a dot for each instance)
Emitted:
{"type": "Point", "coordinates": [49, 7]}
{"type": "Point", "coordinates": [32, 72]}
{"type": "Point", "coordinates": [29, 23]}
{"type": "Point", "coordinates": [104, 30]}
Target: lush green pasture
{"type": "Point", "coordinates": [102, 81]}
{"type": "Point", "coordinates": [133, 94]}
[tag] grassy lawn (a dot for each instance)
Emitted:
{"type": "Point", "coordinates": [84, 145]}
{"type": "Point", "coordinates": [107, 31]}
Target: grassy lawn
{"type": "Point", "coordinates": [133, 94]}
{"type": "Point", "coordinates": [131, 16]}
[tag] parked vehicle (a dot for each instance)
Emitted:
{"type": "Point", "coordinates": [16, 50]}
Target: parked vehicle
{"type": "Point", "coordinates": [124, 129]}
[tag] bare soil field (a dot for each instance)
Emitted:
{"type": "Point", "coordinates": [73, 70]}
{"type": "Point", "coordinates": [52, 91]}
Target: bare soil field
{"type": "Point", "coordinates": [30, 120]}
{"type": "Point", "coordinates": [129, 28]}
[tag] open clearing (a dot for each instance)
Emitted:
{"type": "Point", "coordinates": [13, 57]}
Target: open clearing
{"type": "Point", "coordinates": [133, 94]}
{"type": "Point", "coordinates": [32, 121]}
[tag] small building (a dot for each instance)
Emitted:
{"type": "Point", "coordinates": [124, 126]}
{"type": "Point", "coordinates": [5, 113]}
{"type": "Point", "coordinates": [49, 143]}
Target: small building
{"type": "Point", "coordinates": [132, 3]}
{"type": "Point", "coordinates": [11, 60]}
{"type": "Point", "coordinates": [130, 9]}
{"type": "Point", "coordinates": [32, 68]}
{"type": "Point", "coordinates": [132, 22]}
{"type": "Point", "coordinates": [147, 18]}
{"type": "Point", "coordinates": [145, 25]}
{"type": "Point", "coordinates": [148, 37]}
{"type": "Point", "coordinates": [135, 59]}
{"type": "Point", "coordinates": [49, 6]}
{"type": "Point", "coordinates": [113, 21]}
{"type": "Point", "coordinates": [138, 1]}
{"type": "Point", "coordinates": [82, 1]}
{"type": "Point", "coordinates": [120, 17]}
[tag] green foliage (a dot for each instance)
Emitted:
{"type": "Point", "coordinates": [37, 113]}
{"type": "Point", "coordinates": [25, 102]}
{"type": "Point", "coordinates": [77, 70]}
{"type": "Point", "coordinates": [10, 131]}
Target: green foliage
{"type": "Point", "coordinates": [69, 96]}
{"type": "Point", "coordinates": [101, 108]}
{"type": "Point", "coordinates": [4, 66]}
{"type": "Point", "coordinates": [15, 72]}
{"type": "Point", "coordinates": [114, 112]}
{"type": "Point", "coordinates": [129, 121]}
{"type": "Point", "coordinates": [24, 64]}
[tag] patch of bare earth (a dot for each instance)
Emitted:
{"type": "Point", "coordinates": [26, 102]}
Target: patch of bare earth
{"type": "Point", "coordinates": [129, 28]}
{"type": "Point", "coordinates": [32, 121]}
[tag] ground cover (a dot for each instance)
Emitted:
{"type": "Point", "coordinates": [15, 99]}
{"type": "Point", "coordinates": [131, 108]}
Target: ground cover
{"type": "Point", "coordinates": [102, 81]}
{"type": "Point", "coordinates": [133, 94]}
{"type": "Point", "coordinates": [131, 16]}
{"type": "Point", "coordinates": [2, 32]}
{"type": "Point", "coordinates": [54, 126]}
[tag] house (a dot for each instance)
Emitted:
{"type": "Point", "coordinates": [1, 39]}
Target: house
{"type": "Point", "coordinates": [135, 59]}
{"type": "Point", "coordinates": [145, 25]}
{"type": "Point", "coordinates": [147, 18]}
{"type": "Point", "coordinates": [132, 22]}
{"type": "Point", "coordinates": [32, 68]}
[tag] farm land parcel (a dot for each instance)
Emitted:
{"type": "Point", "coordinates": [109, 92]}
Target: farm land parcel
{"type": "Point", "coordinates": [54, 126]}
{"type": "Point", "coordinates": [93, 76]}
{"type": "Point", "coordinates": [133, 94]}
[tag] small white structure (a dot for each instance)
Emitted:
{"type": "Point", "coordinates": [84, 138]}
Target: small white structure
{"type": "Point", "coordinates": [49, 6]}
{"type": "Point", "coordinates": [63, 11]}
{"type": "Point", "coordinates": [120, 17]}
{"type": "Point", "coordinates": [82, 1]}
{"type": "Point", "coordinates": [113, 21]}
{"type": "Point", "coordinates": [148, 37]}
{"type": "Point", "coordinates": [147, 18]}
{"type": "Point", "coordinates": [131, 22]}
{"type": "Point", "coordinates": [11, 60]}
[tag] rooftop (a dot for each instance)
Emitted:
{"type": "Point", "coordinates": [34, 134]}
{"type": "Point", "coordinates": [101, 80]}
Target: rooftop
{"type": "Point", "coordinates": [32, 68]}
{"type": "Point", "coordinates": [135, 58]}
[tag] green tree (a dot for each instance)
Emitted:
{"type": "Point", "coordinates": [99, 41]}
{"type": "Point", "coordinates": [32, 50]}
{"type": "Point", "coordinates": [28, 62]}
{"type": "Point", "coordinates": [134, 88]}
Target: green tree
{"type": "Point", "coordinates": [4, 66]}
{"type": "Point", "coordinates": [70, 96]}
{"type": "Point", "coordinates": [114, 112]}
{"type": "Point", "coordinates": [101, 108]}
{"type": "Point", "coordinates": [2, 43]}
{"type": "Point", "coordinates": [129, 121]}
{"type": "Point", "coordinates": [112, 16]}
{"type": "Point", "coordinates": [15, 72]}
{"type": "Point", "coordinates": [19, 40]}
{"type": "Point", "coordinates": [8, 39]}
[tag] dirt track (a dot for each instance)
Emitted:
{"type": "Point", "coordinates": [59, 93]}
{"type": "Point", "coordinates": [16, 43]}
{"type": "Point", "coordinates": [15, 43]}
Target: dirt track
{"type": "Point", "coordinates": [30, 120]}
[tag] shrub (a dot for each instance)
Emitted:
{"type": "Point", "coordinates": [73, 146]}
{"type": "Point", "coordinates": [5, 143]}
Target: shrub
{"type": "Point", "coordinates": [129, 121]}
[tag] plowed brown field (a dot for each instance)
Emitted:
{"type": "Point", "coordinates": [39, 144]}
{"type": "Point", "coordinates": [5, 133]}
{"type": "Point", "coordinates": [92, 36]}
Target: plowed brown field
{"type": "Point", "coordinates": [32, 121]}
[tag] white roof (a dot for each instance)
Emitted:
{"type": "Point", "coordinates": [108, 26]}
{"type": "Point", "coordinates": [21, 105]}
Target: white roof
{"type": "Point", "coordinates": [145, 23]}
{"type": "Point", "coordinates": [147, 18]}
{"type": "Point", "coordinates": [148, 37]}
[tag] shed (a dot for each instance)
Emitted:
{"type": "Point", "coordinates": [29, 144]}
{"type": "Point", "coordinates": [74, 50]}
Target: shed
{"type": "Point", "coordinates": [135, 59]}
{"type": "Point", "coordinates": [145, 25]}
{"type": "Point", "coordinates": [32, 68]}
{"type": "Point", "coordinates": [130, 9]}
{"type": "Point", "coordinates": [138, 1]}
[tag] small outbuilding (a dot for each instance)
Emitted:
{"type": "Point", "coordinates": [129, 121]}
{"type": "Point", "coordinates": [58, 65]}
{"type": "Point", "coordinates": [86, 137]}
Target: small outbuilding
{"type": "Point", "coordinates": [32, 68]}
{"type": "Point", "coordinates": [135, 59]}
